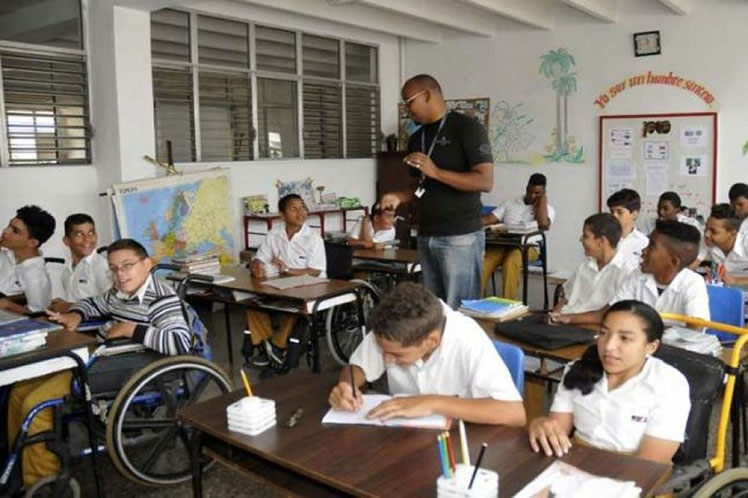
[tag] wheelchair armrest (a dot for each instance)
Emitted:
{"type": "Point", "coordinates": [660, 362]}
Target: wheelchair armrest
{"type": "Point", "coordinates": [682, 476]}
{"type": "Point", "coordinates": [119, 345]}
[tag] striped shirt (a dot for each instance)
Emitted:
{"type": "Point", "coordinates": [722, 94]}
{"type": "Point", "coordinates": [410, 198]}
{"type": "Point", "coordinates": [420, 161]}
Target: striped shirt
{"type": "Point", "coordinates": [156, 310]}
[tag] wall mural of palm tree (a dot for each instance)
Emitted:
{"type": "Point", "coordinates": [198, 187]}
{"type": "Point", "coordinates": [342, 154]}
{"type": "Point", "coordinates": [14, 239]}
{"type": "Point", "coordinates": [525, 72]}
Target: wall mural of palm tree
{"type": "Point", "coordinates": [557, 66]}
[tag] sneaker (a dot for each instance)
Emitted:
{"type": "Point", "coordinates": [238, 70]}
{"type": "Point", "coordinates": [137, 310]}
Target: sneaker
{"type": "Point", "coordinates": [277, 355]}
{"type": "Point", "coordinates": [259, 359]}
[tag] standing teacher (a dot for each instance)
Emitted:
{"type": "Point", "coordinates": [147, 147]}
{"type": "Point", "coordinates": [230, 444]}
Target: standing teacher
{"type": "Point", "coordinates": [450, 157]}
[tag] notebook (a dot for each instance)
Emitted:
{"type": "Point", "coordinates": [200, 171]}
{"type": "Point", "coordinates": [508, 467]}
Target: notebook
{"type": "Point", "coordinates": [291, 282]}
{"type": "Point", "coordinates": [26, 326]}
{"type": "Point", "coordinates": [370, 401]}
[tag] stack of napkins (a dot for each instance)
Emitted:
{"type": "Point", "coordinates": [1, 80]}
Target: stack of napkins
{"type": "Point", "coordinates": [486, 484]}
{"type": "Point", "coordinates": [251, 415]}
{"type": "Point", "coordinates": [692, 340]}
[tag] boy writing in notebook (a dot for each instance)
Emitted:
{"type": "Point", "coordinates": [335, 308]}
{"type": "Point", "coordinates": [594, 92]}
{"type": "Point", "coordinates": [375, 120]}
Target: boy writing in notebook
{"type": "Point", "coordinates": [22, 269]}
{"type": "Point", "coordinates": [437, 360]}
{"type": "Point", "coordinates": [664, 280]}
{"type": "Point", "coordinates": [87, 274]}
{"type": "Point", "coordinates": [595, 281]}
{"type": "Point", "coordinates": [625, 205]}
{"type": "Point", "coordinates": [291, 248]}
{"type": "Point", "coordinates": [728, 246]}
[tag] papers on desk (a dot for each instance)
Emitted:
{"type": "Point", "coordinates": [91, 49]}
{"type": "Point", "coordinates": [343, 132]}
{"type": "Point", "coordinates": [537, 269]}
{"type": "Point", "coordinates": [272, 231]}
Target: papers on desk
{"type": "Point", "coordinates": [291, 282]}
{"type": "Point", "coordinates": [562, 480]}
{"type": "Point", "coordinates": [494, 308]}
{"type": "Point", "coordinates": [373, 400]}
{"type": "Point", "coordinates": [24, 335]}
{"type": "Point", "coordinates": [692, 340]}
{"type": "Point", "coordinates": [514, 227]}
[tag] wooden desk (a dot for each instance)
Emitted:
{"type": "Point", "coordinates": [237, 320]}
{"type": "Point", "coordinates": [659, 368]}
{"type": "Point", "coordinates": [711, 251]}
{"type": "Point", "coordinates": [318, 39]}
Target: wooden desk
{"type": "Point", "coordinates": [269, 218]}
{"type": "Point", "coordinates": [50, 358]}
{"type": "Point", "coordinates": [307, 300]}
{"type": "Point", "coordinates": [521, 241]}
{"type": "Point", "coordinates": [315, 460]}
{"type": "Point", "coordinates": [408, 258]}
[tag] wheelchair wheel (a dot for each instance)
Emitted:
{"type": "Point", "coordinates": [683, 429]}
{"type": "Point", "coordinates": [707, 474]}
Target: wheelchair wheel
{"type": "Point", "coordinates": [44, 487]}
{"type": "Point", "coordinates": [344, 328]}
{"type": "Point", "coordinates": [145, 441]}
{"type": "Point", "coordinates": [731, 483]}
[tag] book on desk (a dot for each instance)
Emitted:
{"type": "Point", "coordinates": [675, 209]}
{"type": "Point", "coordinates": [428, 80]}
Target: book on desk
{"type": "Point", "coordinates": [513, 228]}
{"type": "Point", "coordinates": [24, 335]}
{"type": "Point", "coordinates": [493, 308]}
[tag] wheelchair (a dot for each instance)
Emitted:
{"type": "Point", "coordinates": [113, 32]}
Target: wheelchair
{"type": "Point", "coordinates": [130, 409]}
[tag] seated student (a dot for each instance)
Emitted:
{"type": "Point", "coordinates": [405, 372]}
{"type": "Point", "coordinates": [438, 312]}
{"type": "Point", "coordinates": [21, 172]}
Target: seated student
{"type": "Point", "coordinates": [664, 280]}
{"type": "Point", "coordinates": [625, 205]}
{"type": "Point", "coordinates": [22, 269]}
{"type": "Point", "coordinates": [87, 275]}
{"type": "Point", "coordinates": [372, 231]}
{"type": "Point", "coordinates": [290, 248]}
{"type": "Point", "coordinates": [739, 200]}
{"type": "Point", "coordinates": [728, 246]}
{"type": "Point", "coordinates": [533, 206]}
{"type": "Point", "coordinates": [669, 207]}
{"type": "Point", "coordinates": [438, 361]}
{"type": "Point", "coordinates": [595, 281]}
{"type": "Point", "coordinates": [143, 308]}
{"type": "Point", "coordinates": [617, 397]}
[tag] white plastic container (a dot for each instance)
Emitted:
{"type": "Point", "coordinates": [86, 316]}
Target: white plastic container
{"type": "Point", "coordinates": [251, 415]}
{"type": "Point", "coordinates": [486, 484]}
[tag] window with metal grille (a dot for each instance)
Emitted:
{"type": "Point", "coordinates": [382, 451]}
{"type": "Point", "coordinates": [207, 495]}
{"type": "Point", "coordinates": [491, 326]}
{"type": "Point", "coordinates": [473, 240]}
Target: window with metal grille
{"type": "Point", "coordinates": [173, 113]}
{"type": "Point", "coordinates": [323, 120]}
{"type": "Point", "coordinates": [277, 113]}
{"type": "Point", "coordinates": [170, 35]}
{"type": "Point", "coordinates": [46, 115]}
{"type": "Point", "coordinates": [226, 131]}
{"type": "Point", "coordinates": [363, 120]}
{"type": "Point", "coordinates": [276, 50]}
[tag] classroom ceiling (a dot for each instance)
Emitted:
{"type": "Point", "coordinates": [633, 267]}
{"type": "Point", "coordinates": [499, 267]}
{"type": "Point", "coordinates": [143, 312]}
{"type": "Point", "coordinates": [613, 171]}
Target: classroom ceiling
{"type": "Point", "coordinates": [434, 20]}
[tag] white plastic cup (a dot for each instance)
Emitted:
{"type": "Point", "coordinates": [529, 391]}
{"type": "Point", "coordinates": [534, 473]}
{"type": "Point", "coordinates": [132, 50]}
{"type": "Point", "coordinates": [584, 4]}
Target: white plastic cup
{"type": "Point", "coordinates": [486, 484]}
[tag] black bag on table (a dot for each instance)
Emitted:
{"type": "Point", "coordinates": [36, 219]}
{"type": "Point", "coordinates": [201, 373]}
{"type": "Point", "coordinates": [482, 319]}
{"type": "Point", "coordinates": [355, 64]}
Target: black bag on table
{"type": "Point", "coordinates": [535, 331]}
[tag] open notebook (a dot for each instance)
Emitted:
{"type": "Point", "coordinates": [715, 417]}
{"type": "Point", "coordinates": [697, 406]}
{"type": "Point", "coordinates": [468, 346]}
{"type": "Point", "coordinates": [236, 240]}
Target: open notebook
{"type": "Point", "coordinates": [370, 402]}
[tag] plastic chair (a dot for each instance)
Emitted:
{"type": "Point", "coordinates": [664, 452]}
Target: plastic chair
{"type": "Point", "coordinates": [725, 306]}
{"type": "Point", "coordinates": [514, 359]}
{"type": "Point", "coordinates": [485, 210]}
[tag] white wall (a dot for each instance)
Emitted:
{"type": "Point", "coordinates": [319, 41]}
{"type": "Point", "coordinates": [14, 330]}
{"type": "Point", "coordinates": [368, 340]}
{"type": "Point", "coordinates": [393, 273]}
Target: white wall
{"type": "Point", "coordinates": [708, 46]}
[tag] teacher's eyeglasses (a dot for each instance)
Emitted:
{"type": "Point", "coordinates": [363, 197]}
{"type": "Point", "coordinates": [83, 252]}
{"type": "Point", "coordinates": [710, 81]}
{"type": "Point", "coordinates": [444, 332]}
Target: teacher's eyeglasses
{"type": "Point", "coordinates": [410, 100]}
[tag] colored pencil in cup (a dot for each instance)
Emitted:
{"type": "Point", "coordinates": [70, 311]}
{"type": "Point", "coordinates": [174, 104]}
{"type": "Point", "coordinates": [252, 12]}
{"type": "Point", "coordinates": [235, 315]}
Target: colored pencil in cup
{"type": "Point", "coordinates": [245, 380]}
{"type": "Point", "coordinates": [452, 460]}
{"type": "Point", "coordinates": [440, 449]}
{"type": "Point", "coordinates": [463, 444]}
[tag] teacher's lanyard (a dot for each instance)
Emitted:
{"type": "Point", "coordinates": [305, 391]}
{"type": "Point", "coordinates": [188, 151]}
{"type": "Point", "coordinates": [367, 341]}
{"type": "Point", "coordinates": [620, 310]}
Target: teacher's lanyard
{"type": "Point", "coordinates": [421, 189]}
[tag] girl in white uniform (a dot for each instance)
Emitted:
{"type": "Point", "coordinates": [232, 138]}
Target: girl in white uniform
{"type": "Point", "coordinates": [618, 397]}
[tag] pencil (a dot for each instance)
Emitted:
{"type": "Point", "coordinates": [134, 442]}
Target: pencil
{"type": "Point", "coordinates": [477, 464]}
{"type": "Point", "coordinates": [440, 448]}
{"type": "Point", "coordinates": [246, 383]}
{"type": "Point", "coordinates": [463, 444]}
{"type": "Point", "coordinates": [446, 455]}
{"type": "Point", "coordinates": [452, 460]}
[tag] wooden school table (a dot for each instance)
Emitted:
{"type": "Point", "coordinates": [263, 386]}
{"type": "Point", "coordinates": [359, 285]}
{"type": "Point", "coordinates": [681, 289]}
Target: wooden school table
{"type": "Point", "coordinates": [315, 460]}
{"type": "Point", "coordinates": [520, 241]}
{"type": "Point", "coordinates": [407, 259]}
{"type": "Point", "coordinates": [307, 301]}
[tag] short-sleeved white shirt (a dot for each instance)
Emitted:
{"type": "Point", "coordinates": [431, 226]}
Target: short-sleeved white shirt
{"type": "Point", "coordinates": [376, 236]}
{"type": "Point", "coordinates": [306, 249]}
{"type": "Point", "coordinates": [516, 212]}
{"type": "Point", "coordinates": [465, 364]}
{"type": "Point", "coordinates": [90, 277]}
{"type": "Point", "coordinates": [653, 403]}
{"type": "Point", "coordinates": [685, 295]}
{"type": "Point", "coordinates": [736, 262]}
{"type": "Point", "coordinates": [29, 277]}
{"type": "Point", "coordinates": [591, 288]}
{"type": "Point", "coordinates": [744, 226]}
{"type": "Point", "coordinates": [631, 248]}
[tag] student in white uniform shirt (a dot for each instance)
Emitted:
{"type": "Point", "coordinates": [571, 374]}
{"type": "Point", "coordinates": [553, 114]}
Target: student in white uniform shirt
{"type": "Point", "coordinates": [291, 248]}
{"type": "Point", "coordinates": [533, 206]}
{"type": "Point", "coordinates": [438, 360]}
{"type": "Point", "coordinates": [664, 280]}
{"type": "Point", "coordinates": [372, 231]}
{"type": "Point", "coordinates": [739, 200]}
{"type": "Point", "coordinates": [595, 281]}
{"type": "Point", "coordinates": [728, 246]}
{"type": "Point", "coordinates": [22, 269]}
{"type": "Point", "coordinates": [87, 273]}
{"type": "Point", "coordinates": [625, 206]}
{"type": "Point", "coordinates": [669, 207]}
{"type": "Point", "coordinates": [618, 397]}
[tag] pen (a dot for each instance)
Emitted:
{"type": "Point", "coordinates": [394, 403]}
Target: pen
{"type": "Point", "coordinates": [353, 382]}
{"type": "Point", "coordinates": [477, 464]}
{"type": "Point", "coordinates": [246, 383]}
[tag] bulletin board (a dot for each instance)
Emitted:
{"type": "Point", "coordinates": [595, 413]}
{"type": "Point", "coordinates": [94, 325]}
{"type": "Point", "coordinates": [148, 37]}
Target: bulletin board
{"type": "Point", "coordinates": [654, 153]}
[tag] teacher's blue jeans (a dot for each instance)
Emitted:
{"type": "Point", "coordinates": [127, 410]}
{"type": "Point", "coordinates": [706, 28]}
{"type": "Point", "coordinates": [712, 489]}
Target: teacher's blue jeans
{"type": "Point", "coordinates": [452, 265]}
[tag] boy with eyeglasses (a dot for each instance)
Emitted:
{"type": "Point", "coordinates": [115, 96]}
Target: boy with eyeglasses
{"type": "Point", "coordinates": [141, 307]}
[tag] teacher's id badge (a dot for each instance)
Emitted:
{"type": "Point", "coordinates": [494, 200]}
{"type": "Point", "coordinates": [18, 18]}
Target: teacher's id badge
{"type": "Point", "coordinates": [419, 191]}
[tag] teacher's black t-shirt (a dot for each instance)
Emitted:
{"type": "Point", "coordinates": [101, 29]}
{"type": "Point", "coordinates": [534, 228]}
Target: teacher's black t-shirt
{"type": "Point", "coordinates": [462, 143]}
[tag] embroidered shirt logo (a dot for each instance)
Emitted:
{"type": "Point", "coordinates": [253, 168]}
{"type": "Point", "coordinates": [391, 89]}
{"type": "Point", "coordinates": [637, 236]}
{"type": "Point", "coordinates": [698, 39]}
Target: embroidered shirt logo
{"type": "Point", "coordinates": [484, 148]}
{"type": "Point", "coordinates": [442, 141]}
{"type": "Point", "coordinates": [639, 418]}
